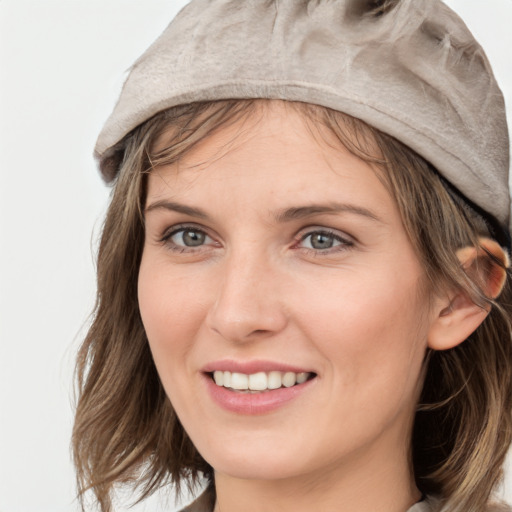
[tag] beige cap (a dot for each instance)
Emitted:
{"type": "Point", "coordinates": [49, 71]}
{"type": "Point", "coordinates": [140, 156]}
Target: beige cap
{"type": "Point", "coordinates": [410, 68]}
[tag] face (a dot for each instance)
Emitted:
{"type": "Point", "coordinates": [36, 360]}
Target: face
{"type": "Point", "coordinates": [282, 301]}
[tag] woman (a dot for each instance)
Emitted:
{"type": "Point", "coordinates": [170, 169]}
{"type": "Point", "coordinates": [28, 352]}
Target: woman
{"type": "Point", "coordinates": [303, 293]}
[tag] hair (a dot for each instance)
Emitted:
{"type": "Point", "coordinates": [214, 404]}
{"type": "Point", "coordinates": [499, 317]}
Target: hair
{"type": "Point", "coordinates": [126, 431]}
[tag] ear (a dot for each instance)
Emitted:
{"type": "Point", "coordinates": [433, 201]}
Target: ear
{"type": "Point", "coordinates": [457, 315]}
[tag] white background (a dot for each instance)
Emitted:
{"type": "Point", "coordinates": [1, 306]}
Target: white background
{"type": "Point", "coordinates": [62, 63]}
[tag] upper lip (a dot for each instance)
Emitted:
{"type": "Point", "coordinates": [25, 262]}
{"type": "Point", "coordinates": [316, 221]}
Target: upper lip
{"type": "Point", "coordinates": [251, 367]}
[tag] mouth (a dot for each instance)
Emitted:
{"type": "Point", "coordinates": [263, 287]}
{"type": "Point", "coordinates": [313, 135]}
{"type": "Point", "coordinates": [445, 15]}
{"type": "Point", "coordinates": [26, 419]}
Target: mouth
{"type": "Point", "coordinates": [257, 387]}
{"type": "Point", "coordinates": [259, 382]}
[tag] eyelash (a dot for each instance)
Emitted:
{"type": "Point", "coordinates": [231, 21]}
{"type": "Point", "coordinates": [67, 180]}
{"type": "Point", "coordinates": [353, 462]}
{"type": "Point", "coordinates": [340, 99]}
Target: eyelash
{"type": "Point", "coordinates": [166, 239]}
{"type": "Point", "coordinates": [343, 243]}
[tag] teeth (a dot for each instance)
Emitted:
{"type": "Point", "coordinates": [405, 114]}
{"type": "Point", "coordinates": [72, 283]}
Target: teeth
{"type": "Point", "coordinates": [289, 379]}
{"type": "Point", "coordinates": [239, 381]}
{"type": "Point", "coordinates": [274, 380]}
{"type": "Point", "coordinates": [302, 377]}
{"type": "Point", "coordinates": [218, 377]}
{"type": "Point", "coordinates": [260, 381]}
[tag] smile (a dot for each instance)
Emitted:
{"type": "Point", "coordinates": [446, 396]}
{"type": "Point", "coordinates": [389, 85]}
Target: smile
{"type": "Point", "coordinates": [249, 389]}
{"type": "Point", "coordinates": [260, 381]}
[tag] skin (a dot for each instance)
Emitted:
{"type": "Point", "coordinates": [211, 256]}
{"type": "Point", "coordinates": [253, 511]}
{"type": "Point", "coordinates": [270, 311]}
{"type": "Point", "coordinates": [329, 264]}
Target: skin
{"type": "Point", "coordinates": [257, 288]}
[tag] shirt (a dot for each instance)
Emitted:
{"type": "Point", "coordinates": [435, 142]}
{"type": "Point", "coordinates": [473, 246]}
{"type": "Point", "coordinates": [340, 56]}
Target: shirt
{"type": "Point", "coordinates": [206, 502]}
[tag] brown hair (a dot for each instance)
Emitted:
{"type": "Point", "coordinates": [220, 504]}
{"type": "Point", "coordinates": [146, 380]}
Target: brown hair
{"type": "Point", "coordinates": [125, 428]}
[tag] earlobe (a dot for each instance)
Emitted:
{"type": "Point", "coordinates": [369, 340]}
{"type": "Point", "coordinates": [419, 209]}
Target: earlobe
{"type": "Point", "coordinates": [459, 316]}
{"type": "Point", "coordinates": [455, 323]}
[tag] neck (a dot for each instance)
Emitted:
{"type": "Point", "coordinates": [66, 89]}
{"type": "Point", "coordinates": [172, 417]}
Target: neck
{"type": "Point", "coordinates": [372, 481]}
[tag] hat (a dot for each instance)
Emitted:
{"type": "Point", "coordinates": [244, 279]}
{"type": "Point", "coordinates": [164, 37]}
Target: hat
{"type": "Point", "coordinates": [410, 68]}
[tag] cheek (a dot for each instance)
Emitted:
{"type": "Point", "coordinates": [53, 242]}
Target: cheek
{"type": "Point", "coordinates": [170, 308]}
{"type": "Point", "coordinates": [372, 333]}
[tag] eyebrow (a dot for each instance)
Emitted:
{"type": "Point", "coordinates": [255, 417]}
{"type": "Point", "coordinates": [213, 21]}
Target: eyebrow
{"type": "Point", "coordinates": [176, 207]}
{"type": "Point", "coordinates": [282, 216]}
{"type": "Point", "coordinates": [297, 213]}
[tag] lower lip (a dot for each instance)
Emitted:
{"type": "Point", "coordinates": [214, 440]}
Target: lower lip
{"type": "Point", "coordinates": [254, 403]}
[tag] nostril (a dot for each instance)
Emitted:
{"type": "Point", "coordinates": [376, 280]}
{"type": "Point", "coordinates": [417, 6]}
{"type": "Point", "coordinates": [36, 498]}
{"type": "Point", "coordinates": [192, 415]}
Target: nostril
{"type": "Point", "coordinates": [259, 332]}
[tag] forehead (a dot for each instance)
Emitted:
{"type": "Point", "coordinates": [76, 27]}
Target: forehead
{"type": "Point", "coordinates": [328, 126]}
{"type": "Point", "coordinates": [273, 160]}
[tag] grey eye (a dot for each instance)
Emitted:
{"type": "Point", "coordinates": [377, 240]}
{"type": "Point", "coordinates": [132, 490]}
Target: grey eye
{"type": "Point", "coordinates": [321, 241]}
{"type": "Point", "coordinates": [189, 238]}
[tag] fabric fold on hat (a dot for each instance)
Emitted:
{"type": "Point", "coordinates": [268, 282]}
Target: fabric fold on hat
{"type": "Point", "coordinates": [411, 69]}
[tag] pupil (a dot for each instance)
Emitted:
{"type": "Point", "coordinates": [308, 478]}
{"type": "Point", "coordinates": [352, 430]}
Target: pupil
{"type": "Point", "coordinates": [321, 241]}
{"type": "Point", "coordinates": [193, 238]}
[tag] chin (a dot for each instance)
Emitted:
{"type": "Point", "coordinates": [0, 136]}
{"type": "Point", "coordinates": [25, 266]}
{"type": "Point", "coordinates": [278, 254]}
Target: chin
{"type": "Point", "coordinates": [255, 468]}
{"type": "Point", "coordinates": [253, 459]}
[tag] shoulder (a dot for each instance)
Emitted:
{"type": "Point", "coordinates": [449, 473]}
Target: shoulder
{"type": "Point", "coordinates": [498, 507]}
{"type": "Point", "coordinates": [431, 504]}
{"type": "Point", "coordinates": [426, 505]}
{"type": "Point", "coordinates": [204, 503]}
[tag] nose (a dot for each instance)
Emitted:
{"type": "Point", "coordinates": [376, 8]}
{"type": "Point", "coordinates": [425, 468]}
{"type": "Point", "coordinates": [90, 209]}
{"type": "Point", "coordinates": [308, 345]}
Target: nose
{"type": "Point", "coordinates": [247, 302]}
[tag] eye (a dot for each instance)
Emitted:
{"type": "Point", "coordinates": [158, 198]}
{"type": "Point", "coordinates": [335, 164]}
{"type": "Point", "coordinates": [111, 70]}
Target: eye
{"type": "Point", "coordinates": [324, 240]}
{"type": "Point", "coordinates": [189, 237]}
{"type": "Point", "coordinates": [183, 238]}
